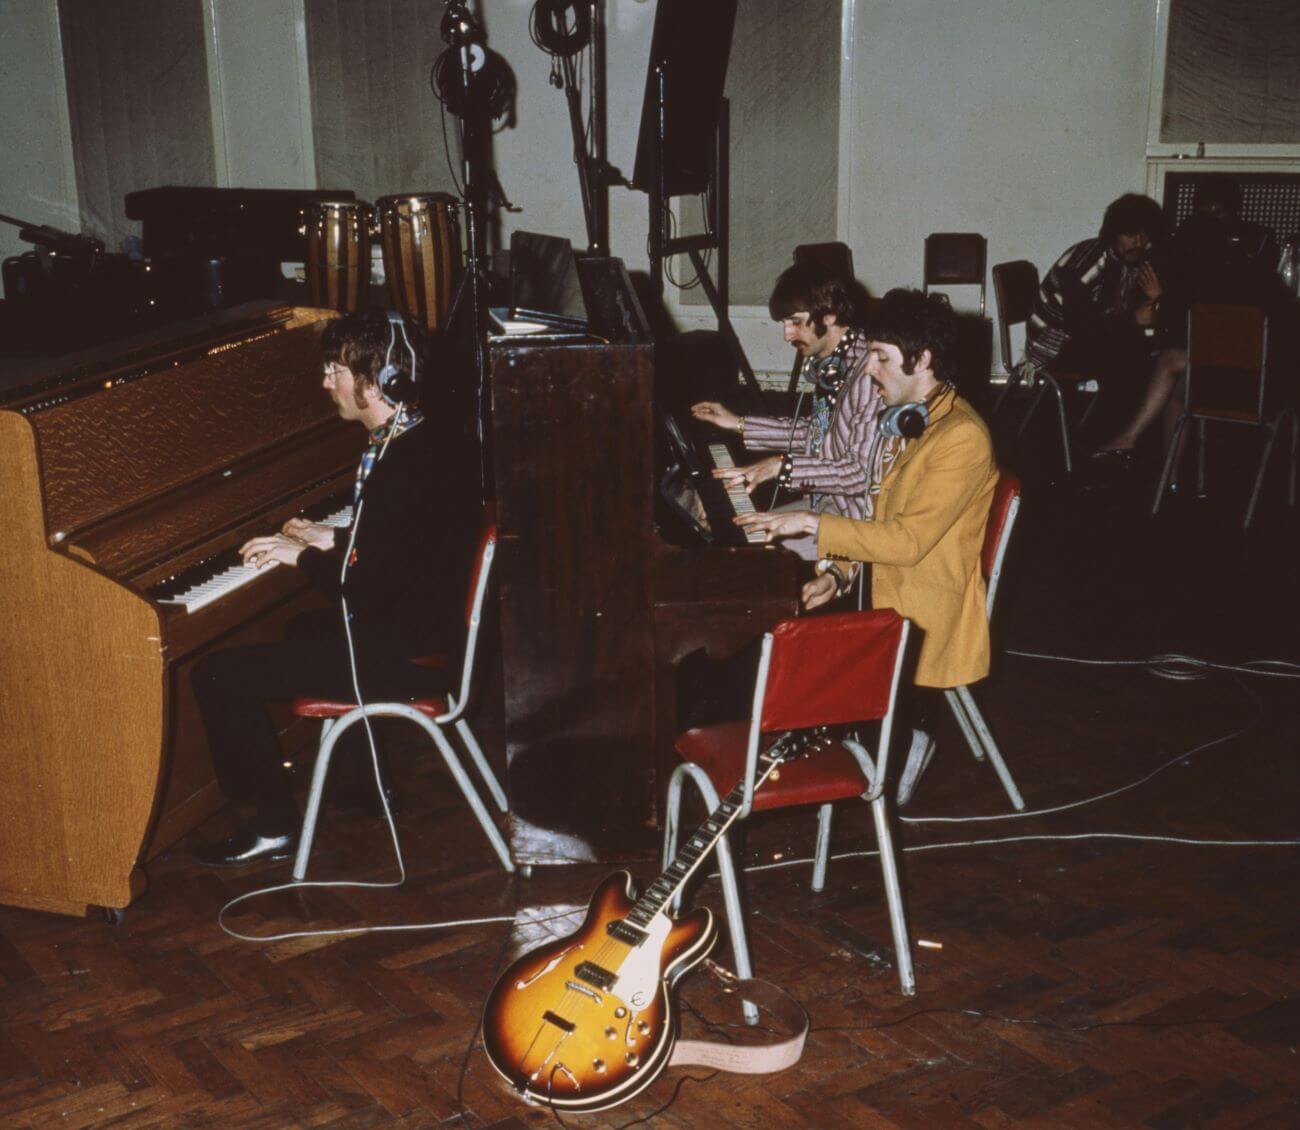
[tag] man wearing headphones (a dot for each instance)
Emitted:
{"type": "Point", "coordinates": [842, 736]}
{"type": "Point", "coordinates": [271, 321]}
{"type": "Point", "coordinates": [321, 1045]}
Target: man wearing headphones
{"type": "Point", "coordinates": [932, 476]}
{"type": "Point", "coordinates": [824, 454]}
{"type": "Point", "coordinates": [400, 596]}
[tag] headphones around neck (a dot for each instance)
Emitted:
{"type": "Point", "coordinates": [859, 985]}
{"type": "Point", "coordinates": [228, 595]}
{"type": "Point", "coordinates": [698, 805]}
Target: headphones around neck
{"type": "Point", "coordinates": [904, 421]}
{"type": "Point", "coordinates": [909, 421]}
{"type": "Point", "coordinates": [394, 385]}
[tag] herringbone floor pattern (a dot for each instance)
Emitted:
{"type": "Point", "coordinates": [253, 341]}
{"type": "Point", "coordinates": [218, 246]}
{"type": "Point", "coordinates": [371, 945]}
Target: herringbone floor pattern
{"type": "Point", "coordinates": [1120, 983]}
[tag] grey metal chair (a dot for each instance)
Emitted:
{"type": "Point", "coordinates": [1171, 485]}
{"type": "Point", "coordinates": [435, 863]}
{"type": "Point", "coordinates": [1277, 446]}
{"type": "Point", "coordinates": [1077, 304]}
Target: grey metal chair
{"type": "Point", "coordinates": [1227, 383]}
{"type": "Point", "coordinates": [435, 716]}
{"type": "Point", "coordinates": [1015, 289]}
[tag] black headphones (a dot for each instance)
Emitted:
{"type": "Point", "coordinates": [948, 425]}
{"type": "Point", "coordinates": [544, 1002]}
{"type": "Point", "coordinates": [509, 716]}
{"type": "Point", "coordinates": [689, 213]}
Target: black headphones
{"type": "Point", "coordinates": [904, 421]}
{"type": "Point", "coordinates": [394, 385]}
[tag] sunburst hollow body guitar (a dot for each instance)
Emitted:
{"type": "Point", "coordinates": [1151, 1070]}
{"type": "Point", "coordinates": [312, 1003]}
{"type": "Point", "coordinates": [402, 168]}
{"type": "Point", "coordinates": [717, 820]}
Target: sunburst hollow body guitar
{"type": "Point", "coordinates": [587, 1021]}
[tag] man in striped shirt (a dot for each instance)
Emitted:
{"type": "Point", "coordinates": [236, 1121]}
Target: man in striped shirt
{"type": "Point", "coordinates": [823, 456]}
{"type": "Point", "coordinates": [1100, 297]}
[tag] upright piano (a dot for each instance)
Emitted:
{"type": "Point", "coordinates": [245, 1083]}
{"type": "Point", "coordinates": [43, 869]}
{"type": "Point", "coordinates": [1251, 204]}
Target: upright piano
{"type": "Point", "coordinates": [597, 608]}
{"type": "Point", "coordinates": [130, 479]}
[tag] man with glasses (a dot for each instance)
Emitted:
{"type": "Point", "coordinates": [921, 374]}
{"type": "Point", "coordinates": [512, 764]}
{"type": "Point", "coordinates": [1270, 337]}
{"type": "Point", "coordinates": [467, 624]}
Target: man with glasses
{"type": "Point", "coordinates": [407, 555]}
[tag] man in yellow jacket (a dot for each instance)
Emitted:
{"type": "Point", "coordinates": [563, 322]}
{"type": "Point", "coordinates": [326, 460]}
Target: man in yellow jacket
{"type": "Point", "coordinates": [932, 476]}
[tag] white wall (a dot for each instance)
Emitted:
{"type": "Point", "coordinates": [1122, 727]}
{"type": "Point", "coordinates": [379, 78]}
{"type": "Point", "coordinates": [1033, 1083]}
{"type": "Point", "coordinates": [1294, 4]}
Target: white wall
{"type": "Point", "coordinates": [37, 179]}
{"type": "Point", "coordinates": [1020, 119]}
{"type": "Point", "coordinates": [258, 85]}
{"type": "Point", "coordinates": [534, 160]}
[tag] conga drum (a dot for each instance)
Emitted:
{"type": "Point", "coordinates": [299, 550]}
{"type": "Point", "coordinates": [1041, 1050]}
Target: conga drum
{"type": "Point", "coordinates": [338, 254]}
{"type": "Point", "coordinates": [421, 239]}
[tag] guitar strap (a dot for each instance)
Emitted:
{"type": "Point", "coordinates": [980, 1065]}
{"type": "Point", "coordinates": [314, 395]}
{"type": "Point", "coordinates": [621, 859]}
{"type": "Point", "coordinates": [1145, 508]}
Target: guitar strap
{"type": "Point", "coordinates": [753, 1060]}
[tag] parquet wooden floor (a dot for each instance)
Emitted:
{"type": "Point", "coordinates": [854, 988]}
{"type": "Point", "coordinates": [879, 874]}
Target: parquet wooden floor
{"type": "Point", "coordinates": [1116, 982]}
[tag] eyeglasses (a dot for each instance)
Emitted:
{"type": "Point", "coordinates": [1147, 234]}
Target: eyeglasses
{"type": "Point", "coordinates": [334, 371]}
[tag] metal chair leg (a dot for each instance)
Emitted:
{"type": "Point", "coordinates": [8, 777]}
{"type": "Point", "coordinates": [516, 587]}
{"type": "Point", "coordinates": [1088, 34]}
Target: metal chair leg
{"type": "Point", "coordinates": [1295, 447]}
{"type": "Point", "coordinates": [480, 763]}
{"type": "Point", "coordinates": [894, 896]}
{"type": "Point", "coordinates": [330, 732]}
{"type": "Point", "coordinates": [822, 854]}
{"type": "Point", "coordinates": [1039, 392]}
{"type": "Point", "coordinates": [1065, 427]}
{"type": "Point", "coordinates": [1200, 458]}
{"type": "Point", "coordinates": [1170, 457]}
{"type": "Point", "coordinates": [968, 731]}
{"type": "Point", "coordinates": [735, 921]}
{"type": "Point", "coordinates": [470, 793]}
{"type": "Point", "coordinates": [1259, 475]}
{"type": "Point", "coordinates": [991, 748]}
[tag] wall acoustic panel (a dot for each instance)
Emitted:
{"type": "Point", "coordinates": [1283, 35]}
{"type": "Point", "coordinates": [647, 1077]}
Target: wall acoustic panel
{"type": "Point", "coordinates": [138, 103]}
{"type": "Point", "coordinates": [376, 123]}
{"type": "Point", "coordinates": [1232, 72]}
{"type": "Point", "coordinates": [783, 83]}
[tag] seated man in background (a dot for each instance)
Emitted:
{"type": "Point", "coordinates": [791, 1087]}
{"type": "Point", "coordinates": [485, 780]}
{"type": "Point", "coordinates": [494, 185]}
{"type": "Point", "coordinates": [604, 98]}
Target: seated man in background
{"type": "Point", "coordinates": [823, 455]}
{"type": "Point", "coordinates": [407, 551]}
{"type": "Point", "coordinates": [931, 485]}
{"type": "Point", "coordinates": [1215, 257]}
{"type": "Point", "coordinates": [1100, 299]}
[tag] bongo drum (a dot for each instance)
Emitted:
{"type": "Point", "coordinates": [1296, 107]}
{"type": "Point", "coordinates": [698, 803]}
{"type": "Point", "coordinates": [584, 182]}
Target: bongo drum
{"type": "Point", "coordinates": [338, 254]}
{"type": "Point", "coordinates": [421, 238]}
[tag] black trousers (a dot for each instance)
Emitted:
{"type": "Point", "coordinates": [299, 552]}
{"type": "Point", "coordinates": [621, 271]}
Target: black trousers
{"type": "Point", "coordinates": [234, 687]}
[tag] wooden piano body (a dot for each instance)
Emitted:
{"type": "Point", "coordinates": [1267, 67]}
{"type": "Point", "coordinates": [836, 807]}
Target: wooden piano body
{"type": "Point", "coordinates": [133, 466]}
{"type": "Point", "coordinates": [596, 608]}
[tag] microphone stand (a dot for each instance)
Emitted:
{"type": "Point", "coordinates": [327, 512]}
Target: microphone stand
{"type": "Point", "coordinates": [463, 34]}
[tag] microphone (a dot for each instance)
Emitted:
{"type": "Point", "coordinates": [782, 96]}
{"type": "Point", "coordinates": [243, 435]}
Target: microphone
{"type": "Point", "coordinates": [459, 27]}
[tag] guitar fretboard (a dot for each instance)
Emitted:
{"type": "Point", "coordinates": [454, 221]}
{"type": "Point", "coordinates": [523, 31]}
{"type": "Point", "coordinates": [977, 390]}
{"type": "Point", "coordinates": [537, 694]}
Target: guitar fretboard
{"type": "Point", "coordinates": [662, 890]}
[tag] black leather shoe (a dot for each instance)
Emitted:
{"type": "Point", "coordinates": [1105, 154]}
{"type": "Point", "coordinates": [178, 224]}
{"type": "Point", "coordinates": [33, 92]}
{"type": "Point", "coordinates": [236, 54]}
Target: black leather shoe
{"type": "Point", "coordinates": [245, 847]}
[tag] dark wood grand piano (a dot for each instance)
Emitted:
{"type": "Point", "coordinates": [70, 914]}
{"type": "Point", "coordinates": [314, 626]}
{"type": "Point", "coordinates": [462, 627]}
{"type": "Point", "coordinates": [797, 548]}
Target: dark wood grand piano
{"type": "Point", "coordinates": [597, 609]}
{"type": "Point", "coordinates": [129, 480]}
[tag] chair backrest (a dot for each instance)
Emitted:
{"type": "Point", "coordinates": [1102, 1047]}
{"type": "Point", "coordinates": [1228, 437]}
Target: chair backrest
{"type": "Point", "coordinates": [1015, 290]}
{"type": "Point", "coordinates": [997, 534]}
{"type": "Point", "coordinates": [834, 257]}
{"type": "Point", "coordinates": [956, 258]}
{"type": "Point", "coordinates": [825, 671]}
{"type": "Point", "coordinates": [1227, 350]}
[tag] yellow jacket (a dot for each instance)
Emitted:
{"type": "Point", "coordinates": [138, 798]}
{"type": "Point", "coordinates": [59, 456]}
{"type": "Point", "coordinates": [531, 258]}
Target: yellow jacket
{"type": "Point", "coordinates": [924, 543]}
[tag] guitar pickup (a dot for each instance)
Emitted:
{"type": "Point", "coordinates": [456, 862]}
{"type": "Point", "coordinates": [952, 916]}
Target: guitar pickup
{"type": "Point", "coordinates": [595, 975]}
{"type": "Point", "coordinates": [624, 931]}
{"type": "Point", "coordinates": [559, 1021]}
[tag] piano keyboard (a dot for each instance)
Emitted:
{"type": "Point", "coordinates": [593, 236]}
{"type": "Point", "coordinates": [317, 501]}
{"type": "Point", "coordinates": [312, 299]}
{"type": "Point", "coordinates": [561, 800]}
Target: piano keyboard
{"type": "Point", "coordinates": [219, 576]}
{"type": "Point", "coordinates": [736, 495]}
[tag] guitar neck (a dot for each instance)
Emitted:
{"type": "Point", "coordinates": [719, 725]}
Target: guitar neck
{"type": "Point", "coordinates": [693, 851]}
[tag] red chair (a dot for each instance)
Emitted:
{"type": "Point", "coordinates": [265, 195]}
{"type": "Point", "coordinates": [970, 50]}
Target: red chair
{"type": "Point", "coordinates": [823, 671]}
{"type": "Point", "coordinates": [997, 534]}
{"type": "Point", "coordinates": [433, 715]}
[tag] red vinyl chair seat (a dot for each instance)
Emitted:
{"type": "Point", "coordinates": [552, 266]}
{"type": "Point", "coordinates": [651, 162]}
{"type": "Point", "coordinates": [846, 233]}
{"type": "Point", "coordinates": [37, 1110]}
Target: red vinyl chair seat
{"type": "Point", "coordinates": [328, 708]}
{"type": "Point", "coordinates": [825, 775]}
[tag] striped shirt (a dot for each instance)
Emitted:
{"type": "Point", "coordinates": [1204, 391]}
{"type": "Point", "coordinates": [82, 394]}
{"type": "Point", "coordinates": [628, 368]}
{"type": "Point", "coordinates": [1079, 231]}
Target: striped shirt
{"type": "Point", "coordinates": [839, 470]}
{"type": "Point", "coordinates": [1086, 283]}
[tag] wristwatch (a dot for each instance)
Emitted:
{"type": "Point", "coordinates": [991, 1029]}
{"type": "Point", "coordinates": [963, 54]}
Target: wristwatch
{"type": "Point", "coordinates": [836, 570]}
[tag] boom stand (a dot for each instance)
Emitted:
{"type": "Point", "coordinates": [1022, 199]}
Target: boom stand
{"type": "Point", "coordinates": [663, 243]}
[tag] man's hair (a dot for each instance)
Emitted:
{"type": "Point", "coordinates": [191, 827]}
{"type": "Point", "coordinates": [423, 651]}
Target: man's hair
{"type": "Point", "coordinates": [361, 342]}
{"type": "Point", "coordinates": [914, 322]}
{"type": "Point", "coordinates": [807, 286]}
{"type": "Point", "coordinates": [1221, 192]}
{"type": "Point", "coordinates": [1131, 214]}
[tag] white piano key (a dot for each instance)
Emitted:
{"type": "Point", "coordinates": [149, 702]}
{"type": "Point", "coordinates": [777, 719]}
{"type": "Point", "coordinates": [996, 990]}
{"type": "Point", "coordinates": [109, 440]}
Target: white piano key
{"type": "Point", "coordinates": [739, 497]}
